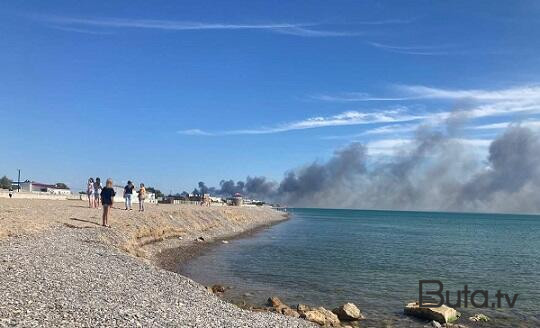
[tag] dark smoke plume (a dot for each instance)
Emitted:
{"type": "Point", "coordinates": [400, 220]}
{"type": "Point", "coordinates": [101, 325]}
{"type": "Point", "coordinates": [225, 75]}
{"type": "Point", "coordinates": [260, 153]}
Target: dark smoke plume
{"type": "Point", "coordinates": [436, 172]}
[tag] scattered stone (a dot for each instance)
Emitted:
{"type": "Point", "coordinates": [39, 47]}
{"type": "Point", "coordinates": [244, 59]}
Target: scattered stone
{"type": "Point", "coordinates": [441, 314]}
{"type": "Point", "coordinates": [276, 302]}
{"type": "Point", "coordinates": [314, 316]}
{"type": "Point", "coordinates": [479, 317]}
{"type": "Point", "coordinates": [435, 324]}
{"type": "Point", "coordinates": [290, 312]}
{"type": "Point", "coordinates": [218, 289]}
{"type": "Point", "coordinates": [301, 308]}
{"type": "Point", "coordinates": [348, 312]}
{"type": "Point", "coordinates": [322, 317]}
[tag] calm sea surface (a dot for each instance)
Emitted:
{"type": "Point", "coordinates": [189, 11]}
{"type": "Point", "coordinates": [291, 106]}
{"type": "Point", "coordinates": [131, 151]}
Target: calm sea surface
{"type": "Point", "coordinates": [376, 258]}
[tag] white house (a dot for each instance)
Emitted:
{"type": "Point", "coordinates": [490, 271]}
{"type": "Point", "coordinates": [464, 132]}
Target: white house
{"type": "Point", "coordinates": [32, 186]}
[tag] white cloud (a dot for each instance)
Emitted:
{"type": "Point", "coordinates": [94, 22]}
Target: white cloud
{"type": "Point", "coordinates": [510, 94]}
{"type": "Point", "coordinates": [356, 96]}
{"type": "Point", "coordinates": [417, 50]}
{"type": "Point", "coordinates": [342, 119]}
{"type": "Point", "coordinates": [475, 103]}
{"type": "Point", "coordinates": [162, 24]}
{"type": "Point", "coordinates": [479, 104]}
{"type": "Point", "coordinates": [533, 124]}
{"type": "Point", "coordinates": [195, 132]}
{"type": "Point", "coordinates": [391, 129]}
{"type": "Point", "coordinates": [297, 29]}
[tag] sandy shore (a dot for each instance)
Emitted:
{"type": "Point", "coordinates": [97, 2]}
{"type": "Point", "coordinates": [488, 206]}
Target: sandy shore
{"type": "Point", "coordinates": [60, 268]}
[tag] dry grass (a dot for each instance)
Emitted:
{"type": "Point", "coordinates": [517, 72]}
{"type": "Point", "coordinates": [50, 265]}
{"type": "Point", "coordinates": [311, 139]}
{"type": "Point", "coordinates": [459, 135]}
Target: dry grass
{"type": "Point", "coordinates": [133, 230]}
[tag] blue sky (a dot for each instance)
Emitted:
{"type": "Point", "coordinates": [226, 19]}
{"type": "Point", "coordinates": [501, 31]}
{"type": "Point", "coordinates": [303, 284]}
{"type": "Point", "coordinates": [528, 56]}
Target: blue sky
{"type": "Point", "coordinates": [175, 92]}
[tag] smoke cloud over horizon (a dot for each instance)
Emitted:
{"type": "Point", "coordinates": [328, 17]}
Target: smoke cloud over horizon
{"type": "Point", "coordinates": [435, 172]}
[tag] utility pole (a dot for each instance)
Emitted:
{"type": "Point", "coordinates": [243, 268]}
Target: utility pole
{"type": "Point", "coordinates": [19, 181]}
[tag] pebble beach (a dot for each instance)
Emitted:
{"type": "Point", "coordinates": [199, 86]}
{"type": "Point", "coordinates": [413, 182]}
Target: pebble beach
{"type": "Point", "coordinates": [60, 268]}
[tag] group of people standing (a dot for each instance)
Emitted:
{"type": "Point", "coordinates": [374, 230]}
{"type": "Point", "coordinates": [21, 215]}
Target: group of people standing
{"type": "Point", "coordinates": [105, 195]}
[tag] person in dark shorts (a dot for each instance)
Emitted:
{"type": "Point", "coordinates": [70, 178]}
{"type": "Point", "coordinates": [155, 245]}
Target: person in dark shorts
{"type": "Point", "coordinates": [107, 197]}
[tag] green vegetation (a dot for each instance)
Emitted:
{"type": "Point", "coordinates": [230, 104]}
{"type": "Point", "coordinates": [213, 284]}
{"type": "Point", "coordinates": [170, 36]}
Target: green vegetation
{"type": "Point", "coordinates": [155, 191]}
{"type": "Point", "coordinates": [5, 182]}
{"type": "Point", "coordinates": [61, 185]}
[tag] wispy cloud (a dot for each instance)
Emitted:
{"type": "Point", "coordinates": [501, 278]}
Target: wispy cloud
{"type": "Point", "coordinates": [511, 103]}
{"type": "Point", "coordinates": [356, 96]}
{"type": "Point", "coordinates": [390, 129]}
{"type": "Point", "coordinates": [296, 29]}
{"type": "Point", "coordinates": [479, 104]}
{"type": "Point", "coordinates": [441, 50]}
{"type": "Point", "coordinates": [342, 119]}
{"type": "Point", "coordinates": [533, 124]}
{"type": "Point", "coordinates": [195, 132]}
{"type": "Point", "coordinates": [531, 92]}
{"type": "Point", "coordinates": [303, 31]}
{"type": "Point", "coordinates": [484, 103]}
{"type": "Point", "coordinates": [387, 21]}
{"type": "Point", "coordinates": [79, 30]}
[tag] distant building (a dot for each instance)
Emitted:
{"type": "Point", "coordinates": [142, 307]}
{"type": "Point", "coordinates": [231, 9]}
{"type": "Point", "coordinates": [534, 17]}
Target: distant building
{"type": "Point", "coordinates": [32, 186]}
{"type": "Point", "coordinates": [253, 202]}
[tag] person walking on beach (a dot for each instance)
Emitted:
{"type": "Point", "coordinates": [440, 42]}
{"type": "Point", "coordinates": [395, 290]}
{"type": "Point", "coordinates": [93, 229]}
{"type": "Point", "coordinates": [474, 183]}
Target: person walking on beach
{"type": "Point", "coordinates": [97, 191]}
{"type": "Point", "coordinates": [142, 197]}
{"type": "Point", "coordinates": [90, 192]}
{"type": "Point", "coordinates": [107, 196]}
{"type": "Point", "coordinates": [128, 192]}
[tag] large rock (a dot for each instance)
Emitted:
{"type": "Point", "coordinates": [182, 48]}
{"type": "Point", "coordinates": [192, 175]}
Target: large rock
{"type": "Point", "coordinates": [322, 317]}
{"type": "Point", "coordinates": [290, 312]}
{"type": "Point", "coordinates": [314, 316]}
{"type": "Point", "coordinates": [441, 314]}
{"type": "Point", "coordinates": [302, 308]}
{"type": "Point", "coordinates": [216, 289]}
{"type": "Point", "coordinates": [348, 312]}
{"type": "Point", "coordinates": [276, 302]}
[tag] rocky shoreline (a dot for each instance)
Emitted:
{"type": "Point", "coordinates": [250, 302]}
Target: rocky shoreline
{"type": "Point", "coordinates": [58, 267]}
{"type": "Point", "coordinates": [71, 272]}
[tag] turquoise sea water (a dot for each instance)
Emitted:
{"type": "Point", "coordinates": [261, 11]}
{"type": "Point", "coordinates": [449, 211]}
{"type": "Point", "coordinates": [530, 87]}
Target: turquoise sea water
{"type": "Point", "coordinates": [376, 258]}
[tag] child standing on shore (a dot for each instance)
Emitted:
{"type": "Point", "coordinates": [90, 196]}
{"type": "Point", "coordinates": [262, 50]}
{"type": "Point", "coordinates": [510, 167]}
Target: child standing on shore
{"type": "Point", "coordinates": [107, 196]}
{"type": "Point", "coordinates": [142, 197]}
